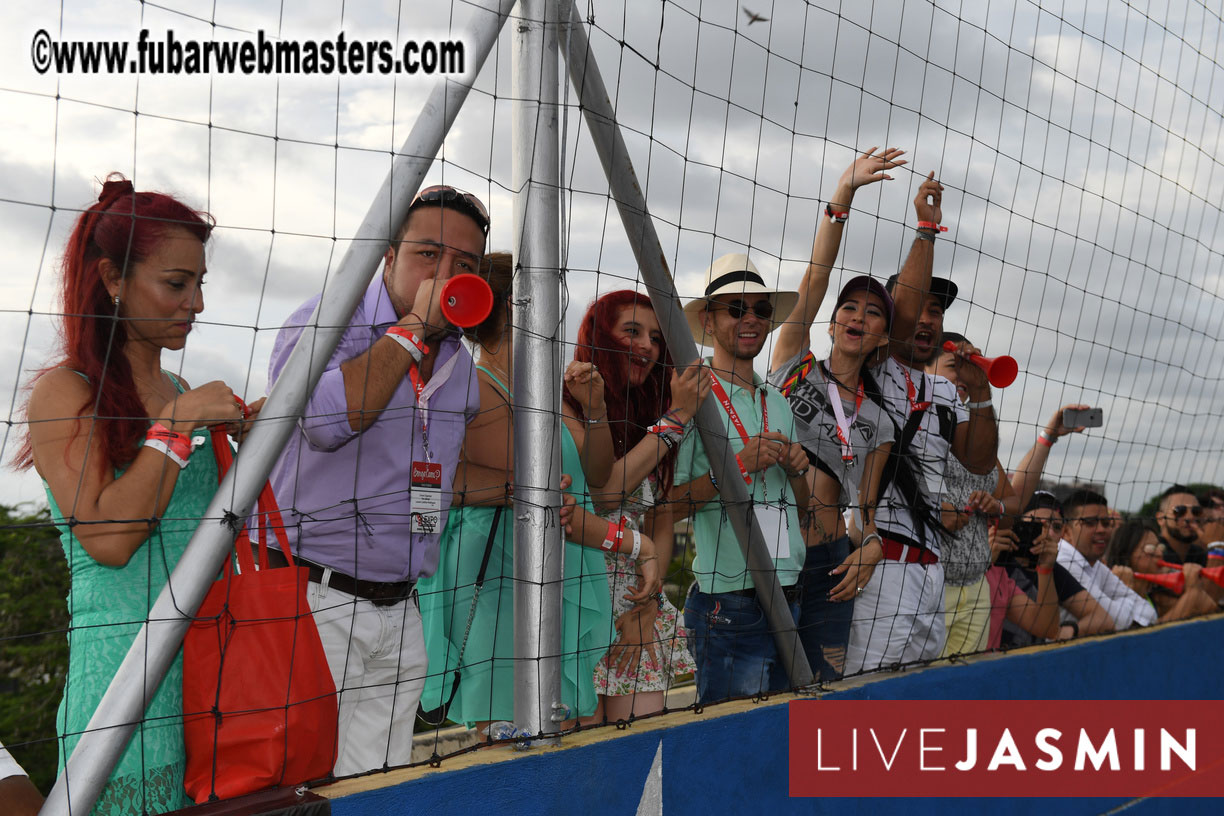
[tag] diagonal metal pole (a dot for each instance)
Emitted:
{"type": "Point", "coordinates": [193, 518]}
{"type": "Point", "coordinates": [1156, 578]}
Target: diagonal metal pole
{"type": "Point", "coordinates": [644, 240]}
{"type": "Point", "coordinates": [159, 639]}
{"type": "Point", "coordinates": [539, 551]}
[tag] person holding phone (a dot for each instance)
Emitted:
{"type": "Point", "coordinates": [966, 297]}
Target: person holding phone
{"type": "Point", "coordinates": [1037, 615]}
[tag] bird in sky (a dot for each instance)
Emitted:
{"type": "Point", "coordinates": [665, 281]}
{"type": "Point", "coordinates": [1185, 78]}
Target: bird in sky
{"type": "Point", "coordinates": [753, 17]}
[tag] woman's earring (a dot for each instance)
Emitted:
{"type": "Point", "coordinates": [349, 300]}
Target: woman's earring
{"type": "Point", "coordinates": [116, 299]}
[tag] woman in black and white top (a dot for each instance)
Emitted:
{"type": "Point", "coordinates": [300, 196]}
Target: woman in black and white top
{"type": "Point", "coordinates": [847, 437]}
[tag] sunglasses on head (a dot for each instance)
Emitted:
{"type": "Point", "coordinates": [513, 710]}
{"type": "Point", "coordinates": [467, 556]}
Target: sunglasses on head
{"type": "Point", "coordinates": [737, 309]}
{"type": "Point", "coordinates": [446, 195]}
{"type": "Point", "coordinates": [1180, 510]}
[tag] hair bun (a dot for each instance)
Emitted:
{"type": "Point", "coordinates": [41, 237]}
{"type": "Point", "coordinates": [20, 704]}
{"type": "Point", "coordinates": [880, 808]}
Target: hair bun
{"type": "Point", "coordinates": [114, 188]}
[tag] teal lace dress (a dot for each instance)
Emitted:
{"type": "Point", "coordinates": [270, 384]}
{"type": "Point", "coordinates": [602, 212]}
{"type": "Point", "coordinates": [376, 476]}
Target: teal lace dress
{"type": "Point", "coordinates": [486, 686]}
{"type": "Point", "coordinates": [107, 606]}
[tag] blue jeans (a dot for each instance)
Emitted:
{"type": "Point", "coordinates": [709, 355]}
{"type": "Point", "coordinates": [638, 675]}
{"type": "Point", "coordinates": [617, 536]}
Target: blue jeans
{"type": "Point", "coordinates": [824, 625]}
{"type": "Point", "coordinates": [733, 646]}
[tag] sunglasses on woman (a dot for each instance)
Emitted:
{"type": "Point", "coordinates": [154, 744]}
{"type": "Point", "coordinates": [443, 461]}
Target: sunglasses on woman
{"type": "Point", "coordinates": [446, 195]}
{"type": "Point", "coordinates": [737, 309]}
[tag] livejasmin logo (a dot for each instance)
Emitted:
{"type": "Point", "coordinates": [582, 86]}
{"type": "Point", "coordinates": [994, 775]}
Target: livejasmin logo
{"type": "Point", "coordinates": [1007, 753]}
{"type": "Point", "coordinates": [1004, 748]}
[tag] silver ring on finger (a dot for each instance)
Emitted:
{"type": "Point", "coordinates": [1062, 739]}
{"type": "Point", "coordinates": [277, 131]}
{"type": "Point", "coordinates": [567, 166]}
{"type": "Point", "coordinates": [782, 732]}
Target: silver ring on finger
{"type": "Point", "coordinates": [860, 589]}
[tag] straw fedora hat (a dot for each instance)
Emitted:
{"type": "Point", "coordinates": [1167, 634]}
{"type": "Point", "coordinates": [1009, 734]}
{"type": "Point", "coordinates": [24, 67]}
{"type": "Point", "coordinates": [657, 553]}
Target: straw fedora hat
{"type": "Point", "coordinates": [735, 274]}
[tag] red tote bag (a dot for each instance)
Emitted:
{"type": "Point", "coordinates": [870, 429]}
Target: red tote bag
{"type": "Point", "coordinates": [258, 698]}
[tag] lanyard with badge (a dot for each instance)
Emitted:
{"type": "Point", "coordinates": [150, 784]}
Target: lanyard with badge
{"type": "Point", "coordinates": [852, 513]}
{"type": "Point", "coordinates": [426, 477]}
{"type": "Point", "coordinates": [771, 518]}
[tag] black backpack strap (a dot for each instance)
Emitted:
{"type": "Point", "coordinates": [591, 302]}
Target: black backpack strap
{"type": "Point", "coordinates": [900, 467]}
{"type": "Point", "coordinates": [947, 422]}
{"type": "Point", "coordinates": [437, 716]}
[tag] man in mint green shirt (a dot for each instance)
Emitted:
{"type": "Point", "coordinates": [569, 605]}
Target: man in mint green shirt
{"type": "Point", "coordinates": [731, 639]}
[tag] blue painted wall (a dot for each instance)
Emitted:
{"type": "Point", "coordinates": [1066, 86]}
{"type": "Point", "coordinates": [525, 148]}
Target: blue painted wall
{"type": "Point", "coordinates": [737, 764]}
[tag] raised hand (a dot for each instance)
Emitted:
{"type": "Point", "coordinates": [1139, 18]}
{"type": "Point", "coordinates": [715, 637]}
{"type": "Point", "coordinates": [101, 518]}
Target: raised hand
{"type": "Point", "coordinates": [1002, 541]}
{"type": "Point", "coordinates": [929, 200]}
{"type": "Point", "coordinates": [688, 388]}
{"type": "Point", "coordinates": [585, 384]}
{"type": "Point", "coordinates": [871, 167]}
{"type": "Point", "coordinates": [1055, 427]}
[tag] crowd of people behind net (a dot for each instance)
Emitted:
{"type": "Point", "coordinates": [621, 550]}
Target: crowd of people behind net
{"type": "Point", "coordinates": [871, 458]}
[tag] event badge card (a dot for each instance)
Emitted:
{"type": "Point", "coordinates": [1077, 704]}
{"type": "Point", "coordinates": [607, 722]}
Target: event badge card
{"type": "Point", "coordinates": [772, 519]}
{"type": "Point", "coordinates": [426, 497]}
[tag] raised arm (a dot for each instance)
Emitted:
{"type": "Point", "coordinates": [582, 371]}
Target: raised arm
{"type": "Point", "coordinates": [914, 279]}
{"type": "Point", "coordinates": [592, 434]}
{"type": "Point", "coordinates": [688, 388]}
{"type": "Point", "coordinates": [1028, 473]}
{"type": "Point", "coordinates": [792, 336]}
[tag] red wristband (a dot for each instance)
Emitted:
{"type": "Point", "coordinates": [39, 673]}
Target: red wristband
{"type": "Point", "coordinates": [836, 216]}
{"type": "Point", "coordinates": [172, 443]}
{"type": "Point", "coordinates": [1043, 439]}
{"type": "Point", "coordinates": [931, 225]}
{"type": "Point", "coordinates": [1043, 570]}
{"type": "Point", "coordinates": [411, 343]}
{"type": "Point", "coordinates": [614, 536]}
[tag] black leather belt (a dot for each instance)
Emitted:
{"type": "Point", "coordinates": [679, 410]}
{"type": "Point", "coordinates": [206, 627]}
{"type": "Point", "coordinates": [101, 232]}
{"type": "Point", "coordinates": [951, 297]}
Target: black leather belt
{"type": "Point", "coordinates": [379, 593]}
{"type": "Point", "coordinates": [791, 593]}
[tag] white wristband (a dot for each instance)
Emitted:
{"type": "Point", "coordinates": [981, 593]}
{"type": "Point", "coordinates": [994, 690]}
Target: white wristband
{"type": "Point", "coordinates": [162, 447]}
{"type": "Point", "coordinates": [417, 349]}
{"type": "Point", "coordinates": [637, 545]}
{"type": "Point", "coordinates": [973, 406]}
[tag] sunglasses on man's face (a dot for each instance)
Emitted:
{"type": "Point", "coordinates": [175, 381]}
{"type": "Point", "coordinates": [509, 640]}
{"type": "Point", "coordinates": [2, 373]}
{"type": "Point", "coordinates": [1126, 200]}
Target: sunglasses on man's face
{"type": "Point", "coordinates": [445, 195]}
{"type": "Point", "coordinates": [1180, 510]}
{"type": "Point", "coordinates": [737, 309]}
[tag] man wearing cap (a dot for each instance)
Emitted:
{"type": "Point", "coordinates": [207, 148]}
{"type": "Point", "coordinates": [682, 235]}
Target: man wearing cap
{"type": "Point", "coordinates": [364, 482]}
{"type": "Point", "coordinates": [898, 617]}
{"type": "Point", "coordinates": [732, 642]}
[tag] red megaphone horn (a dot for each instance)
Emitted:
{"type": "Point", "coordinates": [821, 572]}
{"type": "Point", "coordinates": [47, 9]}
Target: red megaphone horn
{"type": "Point", "coordinates": [1001, 371]}
{"type": "Point", "coordinates": [1172, 581]}
{"type": "Point", "coordinates": [1215, 574]}
{"type": "Point", "coordinates": [466, 300]}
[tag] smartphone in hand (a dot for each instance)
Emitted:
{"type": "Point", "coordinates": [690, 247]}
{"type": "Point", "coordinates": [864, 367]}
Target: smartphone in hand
{"type": "Point", "coordinates": [1086, 418]}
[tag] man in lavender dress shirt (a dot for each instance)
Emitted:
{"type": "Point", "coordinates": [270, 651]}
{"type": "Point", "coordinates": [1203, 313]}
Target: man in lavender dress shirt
{"type": "Point", "coordinates": [364, 482]}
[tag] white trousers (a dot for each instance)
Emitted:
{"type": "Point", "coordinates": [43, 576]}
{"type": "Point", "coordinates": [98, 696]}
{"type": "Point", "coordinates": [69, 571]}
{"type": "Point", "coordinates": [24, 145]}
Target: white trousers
{"type": "Point", "coordinates": [898, 617]}
{"type": "Point", "coordinates": [377, 660]}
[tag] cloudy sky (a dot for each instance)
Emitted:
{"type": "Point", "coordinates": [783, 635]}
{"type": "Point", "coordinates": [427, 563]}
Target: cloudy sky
{"type": "Point", "coordinates": [1078, 143]}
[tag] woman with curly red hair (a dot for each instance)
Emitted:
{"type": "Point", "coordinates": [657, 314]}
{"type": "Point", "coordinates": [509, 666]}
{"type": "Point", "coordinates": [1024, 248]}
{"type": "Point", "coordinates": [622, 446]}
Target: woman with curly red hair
{"type": "Point", "coordinates": [647, 413]}
{"type": "Point", "coordinates": [114, 438]}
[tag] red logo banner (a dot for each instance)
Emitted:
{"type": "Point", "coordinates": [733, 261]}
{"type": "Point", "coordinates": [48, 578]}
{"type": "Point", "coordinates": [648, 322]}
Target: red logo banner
{"type": "Point", "coordinates": [1006, 748]}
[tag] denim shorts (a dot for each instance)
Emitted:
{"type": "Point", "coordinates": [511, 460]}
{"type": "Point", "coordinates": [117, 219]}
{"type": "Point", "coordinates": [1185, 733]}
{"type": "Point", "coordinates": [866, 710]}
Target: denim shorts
{"type": "Point", "coordinates": [733, 646]}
